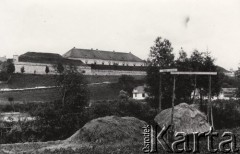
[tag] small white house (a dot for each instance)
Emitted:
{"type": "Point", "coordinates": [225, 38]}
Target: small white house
{"type": "Point", "coordinates": [139, 93]}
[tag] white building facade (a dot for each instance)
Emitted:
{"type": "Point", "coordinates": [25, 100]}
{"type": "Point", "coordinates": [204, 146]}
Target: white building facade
{"type": "Point", "coordinates": [139, 93]}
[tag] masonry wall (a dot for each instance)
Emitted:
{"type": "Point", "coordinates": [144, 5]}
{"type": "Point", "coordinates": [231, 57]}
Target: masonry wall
{"type": "Point", "coordinates": [39, 68]}
{"type": "Point", "coordinates": [116, 72]}
{"type": "Point", "coordinates": [33, 68]}
{"type": "Point", "coordinates": [108, 62]}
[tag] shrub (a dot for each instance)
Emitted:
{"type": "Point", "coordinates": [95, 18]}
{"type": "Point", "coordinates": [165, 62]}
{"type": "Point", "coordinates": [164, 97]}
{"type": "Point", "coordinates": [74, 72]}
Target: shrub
{"type": "Point", "coordinates": [4, 76]}
{"type": "Point", "coordinates": [226, 113]}
{"type": "Point", "coordinates": [128, 107]}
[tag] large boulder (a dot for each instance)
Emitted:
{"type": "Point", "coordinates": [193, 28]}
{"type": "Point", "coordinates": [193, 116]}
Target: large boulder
{"type": "Point", "coordinates": [186, 118]}
{"type": "Point", "coordinates": [110, 129]}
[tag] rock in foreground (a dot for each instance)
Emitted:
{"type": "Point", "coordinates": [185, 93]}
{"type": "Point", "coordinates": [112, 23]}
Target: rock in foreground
{"type": "Point", "coordinates": [186, 118]}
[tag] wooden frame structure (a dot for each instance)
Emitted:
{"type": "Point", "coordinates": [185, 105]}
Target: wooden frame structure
{"type": "Point", "coordinates": [209, 91]}
{"type": "Point", "coordinates": [160, 84]}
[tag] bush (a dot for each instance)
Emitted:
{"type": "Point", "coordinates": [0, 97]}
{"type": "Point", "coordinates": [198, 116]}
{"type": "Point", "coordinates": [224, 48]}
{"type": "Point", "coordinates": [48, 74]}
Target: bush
{"type": "Point", "coordinates": [55, 122]}
{"type": "Point", "coordinates": [129, 107]}
{"type": "Point", "coordinates": [26, 107]}
{"type": "Point", "coordinates": [128, 83]}
{"type": "Point", "coordinates": [226, 113]}
{"type": "Point", "coordinates": [4, 76]}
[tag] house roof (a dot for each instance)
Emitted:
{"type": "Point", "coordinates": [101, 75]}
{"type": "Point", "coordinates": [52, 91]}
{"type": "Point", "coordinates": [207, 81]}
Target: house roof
{"type": "Point", "coordinates": [100, 54]}
{"type": "Point", "coordinates": [47, 58]}
{"type": "Point", "coordinates": [139, 89]}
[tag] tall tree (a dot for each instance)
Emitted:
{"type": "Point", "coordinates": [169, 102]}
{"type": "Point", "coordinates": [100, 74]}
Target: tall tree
{"type": "Point", "coordinates": [196, 61]}
{"type": "Point", "coordinates": [184, 85]}
{"type": "Point", "coordinates": [209, 65]}
{"type": "Point", "coordinates": [61, 118]}
{"type": "Point", "coordinates": [203, 61]}
{"type": "Point", "coordinates": [73, 89]}
{"type": "Point", "coordinates": [161, 53]}
{"type": "Point", "coordinates": [160, 57]}
{"type": "Point", "coordinates": [8, 67]}
{"type": "Point", "coordinates": [11, 101]}
{"type": "Point", "coordinates": [127, 83]}
{"type": "Point", "coordinates": [47, 69]}
{"type": "Point", "coordinates": [197, 64]}
{"type": "Point", "coordinates": [60, 68]}
{"type": "Point", "coordinates": [22, 69]}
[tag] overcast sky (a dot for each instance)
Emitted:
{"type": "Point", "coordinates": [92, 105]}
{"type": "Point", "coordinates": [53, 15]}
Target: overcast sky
{"type": "Point", "coordinates": [121, 25]}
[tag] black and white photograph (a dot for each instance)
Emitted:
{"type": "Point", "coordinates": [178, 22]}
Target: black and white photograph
{"type": "Point", "coordinates": [119, 76]}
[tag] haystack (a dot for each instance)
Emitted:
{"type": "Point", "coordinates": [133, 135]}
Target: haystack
{"type": "Point", "coordinates": [187, 118]}
{"type": "Point", "coordinates": [110, 129]}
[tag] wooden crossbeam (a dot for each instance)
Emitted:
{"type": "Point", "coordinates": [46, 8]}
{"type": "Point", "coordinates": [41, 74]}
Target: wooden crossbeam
{"type": "Point", "coordinates": [193, 73]}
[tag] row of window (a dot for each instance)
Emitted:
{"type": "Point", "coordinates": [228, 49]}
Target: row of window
{"type": "Point", "coordinates": [114, 63]}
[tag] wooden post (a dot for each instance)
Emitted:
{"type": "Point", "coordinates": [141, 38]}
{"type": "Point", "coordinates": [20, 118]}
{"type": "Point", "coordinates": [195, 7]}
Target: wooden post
{"type": "Point", "coordinates": [209, 100]}
{"type": "Point", "coordinates": [160, 85]}
{"type": "Point", "coordinates": [195, 85]}
{"type": "Point", "coordinates": [173, 98]}
{"type": "Point", "coordinates": [160, 93]}
{"type": "Point", "coordinates": [172, 114]}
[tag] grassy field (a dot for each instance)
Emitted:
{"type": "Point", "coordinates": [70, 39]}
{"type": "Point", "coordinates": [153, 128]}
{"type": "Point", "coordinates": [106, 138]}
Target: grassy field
{"type": "Point", "coordinates": [104, 91]}
{"type": "Point", "coordinates": [97, 92]}
{"type": "Point", "coordinates": [45, 95]}
{"type": "Point", "coordinates": [30, 80]}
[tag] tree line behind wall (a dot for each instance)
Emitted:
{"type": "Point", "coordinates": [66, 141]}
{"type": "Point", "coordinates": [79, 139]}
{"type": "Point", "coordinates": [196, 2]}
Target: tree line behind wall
{"type": "Point", "coordinates": [161, 57]}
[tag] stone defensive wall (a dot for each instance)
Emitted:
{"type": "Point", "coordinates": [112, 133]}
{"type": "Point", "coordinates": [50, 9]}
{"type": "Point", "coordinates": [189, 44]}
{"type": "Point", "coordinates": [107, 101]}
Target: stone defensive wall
{"type": "Point", "coordinates": [117, 70]}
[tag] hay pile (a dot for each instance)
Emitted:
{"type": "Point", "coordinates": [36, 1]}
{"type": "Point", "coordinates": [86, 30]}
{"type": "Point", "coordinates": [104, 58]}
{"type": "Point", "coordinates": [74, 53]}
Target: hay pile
{"type": "Point", "coordinates": [110, 129]}
{"type": "Point", "coordinates": [187, 118]}
{"type": "Point", "coordinates": [106, 132]}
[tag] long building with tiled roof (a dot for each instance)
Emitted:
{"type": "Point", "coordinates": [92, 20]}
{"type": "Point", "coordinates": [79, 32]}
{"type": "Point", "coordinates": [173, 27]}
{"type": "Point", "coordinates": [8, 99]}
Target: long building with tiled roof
{"type": "Point", "coordinates": [47, 58]}
{"type": "Point", "coordinates": [36, 63]}
{"type": "Point", "coordinates": [89, 62]}
{"type": "Point", "coordinates": [100, 57]}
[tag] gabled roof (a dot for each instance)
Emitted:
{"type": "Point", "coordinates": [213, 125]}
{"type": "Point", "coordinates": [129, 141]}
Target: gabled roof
{"type": "Point", "coordinates": [47, 58]}
{"type": "Point", "coordinates": [139, 89]}
{"type": "Point", "coordinates": [103, 55]}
